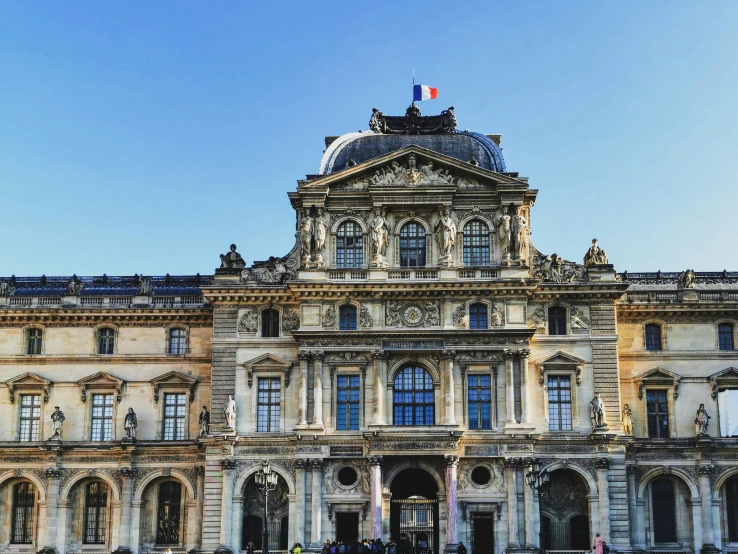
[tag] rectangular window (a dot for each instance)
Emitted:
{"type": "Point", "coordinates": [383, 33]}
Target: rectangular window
{"type": "Point", "coordinates": [269, 403]}
{"type": "Point", "coordinates": [559, 403]}
{"type": "Point", "coordinates": [178, 342]}
{"type": "Point", "coordinates": [30, 417]}
{"type": "Point", "coordinates": [35, 338]}
{"type": "Point", "coordinates": [728, 412]}
{"type": "Point", "coordinates": [479, 397]}
{"type": "Point", "coordinates": [175, 416]}
{"type": "Point", "coordinates": [102, 417]}
{"type": "Point", "coordinates": [106, 341]}
{"type": "Point", "coordinates": [658, 414]}
{"type": "Point", "coordinates": [725, 336]}
{"type": "Point", "coordinates": [653, 337]}
{"type": "Point", "coordinates": [347, 402]}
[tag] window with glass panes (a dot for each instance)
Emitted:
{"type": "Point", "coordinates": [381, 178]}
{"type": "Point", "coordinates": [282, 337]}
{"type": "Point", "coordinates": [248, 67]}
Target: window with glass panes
{"type": "Point", "coordinates": [478, 316]}
{"type": "Point", "coordinates": [349, 245]}
{"type": "Point", "coordinates": [653, 336]}
{"type": "Point", "coordinates": [479, 400]}
{"type": "Point", "coordinates": [559, 403]}
{"type": "Point", "coordinates": [178, 341]}
{"type": "Point", "coordinates": [476, 243]}
{"type": "Point", "coordinates": [102, 417]}
{"type": "Point", "coordinates": [657, 410]}
{"type": "Point", "coordinates": [106, 341]}
{"type": "Point", "coordinates": [24, 503]}
{"type": "Point", "coordinates": [30, 417]}
{"type": "Point", "coordinates": [269, 323]}
{"type": "Point", "coordinates": [557, 320]}
{"type": "Point", "coordinates": [725, 336]}
{"type": "Point", "coordinates": [347, 402]}
{"type": "Point", "coordinates": [96, 513]}
{"type": "Point", "coordinates": [35, 341]}
{"type": "Point", "coordinates": [347, 318]}
{"type": "Point", "coordinates": [175, 416]}
{"type": "Point", "coordinates": [269, 403]}
{"type": "Point", "coordinates": [413, 397]}
{"type": "Point", "coordinates": [412, 245]}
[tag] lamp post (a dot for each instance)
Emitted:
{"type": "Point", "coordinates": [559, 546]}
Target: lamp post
{"type": "Point", "coordinates": [266, 480]}
{"type": "Point", "coordinates": [537, 480]}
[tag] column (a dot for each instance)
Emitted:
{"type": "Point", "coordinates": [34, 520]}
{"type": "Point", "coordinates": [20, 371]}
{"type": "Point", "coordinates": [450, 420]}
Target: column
{"type": "Point", "coordinates": [511, 469]}
{"type": "Point", "coordinates": [509, 385]}
{"type": "Point", "coordinates": [603, 489]}
{"type": "Point", "coordinates": [708, 533]}
{"type": "Point", "coordinates": [316, 531]}
{"type": "Point", "coordinates": [301, 465]}
{"type": "Point", "coordinates": [318, 389]}
{"type": "Point", "coordinates": [452, 506]}
{"type": "Point", "coordinates": [126, 496]}
{"type": "Point", "coordinates": [380, 358]}
{"type": "Point", "coordinates": [61, 536]}
{"type": "Point", "coordinates": [228, 465]}
{"type": "Point", "coordinates": [52, 510]}
{"type": "Point", "coordinates": [530, 497]}
{"type": "Point", "coordinates": [524, 385]}
{"type": "Point", "coordinates": [632, 515]}
{"type": "Point", "coordinates": [304, 357]}
{"type": "Point", "coordinates": [375, 479]}
{"type": "Point", "coordinates": [450, 417]}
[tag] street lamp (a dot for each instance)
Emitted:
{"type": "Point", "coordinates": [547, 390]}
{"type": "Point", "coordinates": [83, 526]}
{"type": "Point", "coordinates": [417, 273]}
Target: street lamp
{"type": "Point", "coordinates": [537, 480]}
{"type": "Point", "coordinates": [266, 480]}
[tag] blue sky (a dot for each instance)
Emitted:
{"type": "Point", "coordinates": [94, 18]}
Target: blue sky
{"type": "Point", "coordinates": [145, 137]}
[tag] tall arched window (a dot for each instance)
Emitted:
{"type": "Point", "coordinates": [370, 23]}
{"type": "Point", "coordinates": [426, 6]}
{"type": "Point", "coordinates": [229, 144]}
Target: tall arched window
{"type": "Point", "coordinates": [653, 336]}
{"type": "Point", "coordinates": [556, 320]}
{"type": "Point", "coordinates": [413, 397]}
{"type": "Point", "coordinates": [347, 318]}
{"type": "Point", "coordinates": [725, 336]}
{"type": "Point", "coordinates": [349, 245]}
{"type": "Point", "coordinates": [412, 245]}
{"type": "Point", "coordinates": [35, 341]}
{"type": "Point", "coordinates": [269, 323]}
{"type": "Point", "coordinates": [106, 341]}
{"type": "Point", "coordinates": [476, 243]}
{"type": "Point", "coordinates": [96, 512]}
{"type": "Point", "coordinates": [478, 316]}
{"type": "Point", "coordinates": [731, 506]}
{"type": "Point", "coordinates": [168, 514]}
{"type": "Point", "coordinates": [663, 509]}
{"type": "Point", "coordinates": [24, 503]}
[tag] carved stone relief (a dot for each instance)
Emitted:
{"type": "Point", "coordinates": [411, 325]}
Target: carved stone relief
{"type": "Point", "coordinates": [578, 319]}
{"type": "Point", "coordinates": [496, 484]}
{"type": "Point", "coordinates": [331, 485]}
{"type": "Point", "coordinates": [365, 317]}
{"type": "Point", "coordinates": [415, 313]}
{"type": "Point", "coordinates": [329, 317]}
{"type": "Point", "coordinates": [290, 320]}
{"type": "Point", "coordinates": [249, 320]}
{"type": "Point", "coordinates": [537, 318]}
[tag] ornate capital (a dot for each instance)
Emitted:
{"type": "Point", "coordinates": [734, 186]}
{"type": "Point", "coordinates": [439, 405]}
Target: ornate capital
{"type": "Point", "coordinates": [128, 472]}
{"type": "Point", "coordinates": [448, 354]}
{"type": "Point", "coordinates": [318, 355]}
{"type": "Point", "coordinates": [53, 472]}
{"type": "Point", "coordinates": [377, 461]}
{"type": "Point", "coordinates": [304, 354]}
{"type": "Point", "coordinates": [451, 460]}
{"type": "Point", "coordinates": [631, 469]}
{"type": "Point", "coordinates": [228, 463]}
{"type": "Point", "coordinates": [380, 355]}
{"type": "Point", "coordinates": [705, 469]}
{"type": "Point", "coordinates": [200, 470]}
{"type": "Point", "coordinates": [524, 353]}
{"type": "Point", "coordinates": [509, 353]}
{"type": "Point", "coordinates": [513, 463]}
{"type": "Point", "coordinates": [602, 463]}
{"type": "Point", "coordinates": [316, 464]}
{"type": "Point", "coordinates": [302, 463]}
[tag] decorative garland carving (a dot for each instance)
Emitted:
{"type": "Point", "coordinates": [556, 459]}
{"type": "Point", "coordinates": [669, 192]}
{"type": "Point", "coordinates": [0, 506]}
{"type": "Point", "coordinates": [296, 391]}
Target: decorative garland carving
{"type": "Point", "coordinates": [290, 320]}
{"type": "Point", "coordinates": [249, 320]}
{"type": "Point", "coordinates": [365, 318]}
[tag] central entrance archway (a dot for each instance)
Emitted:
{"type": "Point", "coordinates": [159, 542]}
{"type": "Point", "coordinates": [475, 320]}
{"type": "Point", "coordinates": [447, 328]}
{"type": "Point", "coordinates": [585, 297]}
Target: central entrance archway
{"type": "Point", "coordinates": [414, 512]}
{"type": "Point", "coordinates": [566, 512]}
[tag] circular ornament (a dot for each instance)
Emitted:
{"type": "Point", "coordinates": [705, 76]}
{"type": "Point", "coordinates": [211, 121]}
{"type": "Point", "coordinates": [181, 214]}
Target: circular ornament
{"type": "Point", "coordinates": [412, 315]}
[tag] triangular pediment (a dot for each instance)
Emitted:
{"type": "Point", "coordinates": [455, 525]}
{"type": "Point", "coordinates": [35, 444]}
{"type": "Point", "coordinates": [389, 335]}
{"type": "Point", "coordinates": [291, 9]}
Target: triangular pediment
{"type": "Point", "coordinates": [29, 381]}
{"type": "Point", "coordinates": [730, 373]}
{"type": "Point", "coordinates": [658, 376]}
{"type": "Point", "coordinates": [101, 381]}
{"type": "Point", "coordinates": [725, 379]}
{"type": "Point", "coordinates": [173, 380]}
{"type": "Point", "coordinates": [562, 358]}
{"type": "Point", "coordinates": [268, 361]}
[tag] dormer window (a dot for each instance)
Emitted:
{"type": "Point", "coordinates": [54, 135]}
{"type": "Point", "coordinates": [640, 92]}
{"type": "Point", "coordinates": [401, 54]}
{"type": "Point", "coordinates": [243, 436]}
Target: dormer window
{"type": "Point", "coordinates": [34, 343]}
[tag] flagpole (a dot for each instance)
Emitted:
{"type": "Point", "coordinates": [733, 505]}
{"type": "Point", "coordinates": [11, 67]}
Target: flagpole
{"type": "Point", "coordinates": [413, 102]}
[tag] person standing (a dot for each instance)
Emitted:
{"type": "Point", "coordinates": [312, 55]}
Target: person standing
{"type": "Point", "coordinates": [462, 548]}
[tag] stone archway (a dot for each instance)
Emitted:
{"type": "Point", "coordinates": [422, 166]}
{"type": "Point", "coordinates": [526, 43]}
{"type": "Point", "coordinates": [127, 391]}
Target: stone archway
{"type": "Point", "coordinates": [250, 522]}
{"type": "Point", "coordinates": [414, 511]}
{"type": "Point", "coordinates": [565, 506]}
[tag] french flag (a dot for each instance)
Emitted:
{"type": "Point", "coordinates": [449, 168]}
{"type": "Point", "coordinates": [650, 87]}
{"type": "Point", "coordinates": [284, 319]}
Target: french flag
{"type": "Point", "coordinates": [424, 92]}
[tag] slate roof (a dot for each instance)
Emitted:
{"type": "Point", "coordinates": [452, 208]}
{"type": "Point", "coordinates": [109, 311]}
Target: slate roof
{"type": "Point", "coordinates": [168, 285]}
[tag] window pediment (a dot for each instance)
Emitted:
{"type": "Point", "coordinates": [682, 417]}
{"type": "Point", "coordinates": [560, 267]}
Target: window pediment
{"type": "Point", "coordinates": [28, 381]}
{"type": "Point", "coordinates": [658, 377]}
{"type": "Point", "coordinates": [173, 380]}
{"type": "Point", "coordinates": [101, 381]}
{"type": "Point", "coordinates": [268, 362]}
{"type": "Point", "coordinates": [561, 361]}
{"type": "Point", "coordinates": [725, 379]}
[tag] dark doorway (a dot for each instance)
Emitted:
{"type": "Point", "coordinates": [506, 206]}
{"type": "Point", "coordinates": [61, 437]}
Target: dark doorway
{"type": "Point", "coordinates": [414, 512]}
{"type": "Point", "coordinates": [579, 529]}
{"type": "Point", "coordinates": [252, 531]}
{"type": "Point", "coordinates": [347, 526]}
{"type": "Point", "coordinates": [483, 526]}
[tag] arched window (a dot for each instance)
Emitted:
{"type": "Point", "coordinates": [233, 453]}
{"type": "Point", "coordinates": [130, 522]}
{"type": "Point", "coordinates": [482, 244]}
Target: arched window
{"type": "Point", "coordinates": [35, 341]}
{"type": "Point", "coordinates": [653, 336]}
{"type": "Point", "coordinates": [96, 513]}
{"type": "Point", "coordinates": [663, 509]}
{"type": "Point", "coordinates": [347, 318]}
{"type": "Point", "coordinates": [349, 245]}
{"type": "Point", "coordinates": [731, 506]}
{"type": "Point", "coordinates": [725, 336]}
{"type": "Point", "coordinates": [557, 320]}
{"type": "Point", "coordinates": [169, 513]}
{"type": "Point", "coordinates": [412, 245]}
{"type": "Point", "coordinates": [106, 341]}
{"type": "Point", "coordinates": [252, 529]}
{"type": "Point", "coordinates": [476, 243]}
{"type": "Point", "coordinates": [177, 342]}
{"type": "Point", "coordinates": [269, 323]}
{"type": "Point", "coordinates": [413, 397]}
{"type": "Point", "coordinates": [478, 316]}
{"type": "Point", "coordinates": [24, 503]}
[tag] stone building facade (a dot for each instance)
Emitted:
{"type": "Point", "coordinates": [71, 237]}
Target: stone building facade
{"type": "Point", "coordinates": [401, 368]}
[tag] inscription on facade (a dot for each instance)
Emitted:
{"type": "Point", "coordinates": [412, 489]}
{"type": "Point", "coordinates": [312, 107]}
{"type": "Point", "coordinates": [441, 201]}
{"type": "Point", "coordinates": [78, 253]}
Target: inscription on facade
{"type": "Point", "coordinates": [412, 344]}
{"type": "Point", "coordinates": [486, 451]}
{"type": "Point", "coordinates": [347, 451]}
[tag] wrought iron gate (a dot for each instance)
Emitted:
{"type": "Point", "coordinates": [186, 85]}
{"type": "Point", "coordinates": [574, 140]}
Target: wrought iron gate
{"type": "Point", "coordinates": [482, 533]}
{"type": "Point", "coordinates": [414, 525]}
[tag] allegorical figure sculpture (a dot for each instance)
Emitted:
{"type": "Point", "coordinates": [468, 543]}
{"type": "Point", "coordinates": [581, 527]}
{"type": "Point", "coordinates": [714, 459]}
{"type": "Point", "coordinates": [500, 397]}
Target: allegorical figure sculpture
{"type": "Point", "coordinates": [204, 421]}
{"type": "Point", "coordinates": [230, 413]}
{"type": "Point", "coordinates": [446, 229]}
{"type": "Point", "coordinates": [57, 421]}
{"type": "Point", "coordinates": [686, 280]}
{"type": "Point", "coordinates": [379, 238]}
{"type": "Point", "coordinates": [504, 234]}
{"type": "Point", "coordinates": [306, 237]}
{"type": "Point", "coordinates": [595, 255]}
{"type": "Point", "coordinates": [74, 286]}
{"type": "Point", "coordinates": [520, 234]}
{"type": "Point", "coordinates": [627, 420]}
{"type": "Point", "coordinates": [232, 260]}
{"type": "Point", "coordinates": [495, 316]}
{"type": "Point", "coordinates": [321, 230]}
{"type": "Point", "coordinates": [130, 423]}
{"type": "Point", "coordinates": [701, 421]}
{"type": "Point", "coordinates": [597, 412]}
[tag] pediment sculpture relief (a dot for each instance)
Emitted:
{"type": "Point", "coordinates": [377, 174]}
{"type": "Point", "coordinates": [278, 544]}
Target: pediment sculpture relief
{"type": "Point", "coordinates": [555, 269]}
{"type": "Point", "coordinates": [411, 175]}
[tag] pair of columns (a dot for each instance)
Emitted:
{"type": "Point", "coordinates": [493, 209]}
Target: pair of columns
{"type": "Point", "coordinates": [305, 356]}
{"type": "Point", "coordinates": [302, 466]}
{"type": "Point", "coordinates": [510, 355]}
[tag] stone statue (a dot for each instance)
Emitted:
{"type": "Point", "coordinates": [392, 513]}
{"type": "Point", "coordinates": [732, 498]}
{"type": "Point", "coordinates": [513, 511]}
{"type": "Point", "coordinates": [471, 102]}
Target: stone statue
{"type": "Point", "coordinates": [57, 420]}
{"type": "Point", "coordinates": [204, 421]}
{"type": "Point", "coordinates": [74, 287]}
{"type": "Point", "coordinates": [130, 423]}
{"type": "Point", "coordinates": [232, 260]}
{"type": "Point", "coordinates": [7, 288]}
{"type": "Point", "coordinates": [597, 412]}
{"type": "Point", "coordinates": [321, 230]}
{"type": "Point", "coordinates": [686, 280]}
{"type": "Point", "coordinates": [520, 234]}
{"type": "Point", "coordinates": [145, 286]}
{"type": "Point", "coordinates": [504, 235]}
{"type": "Point", "coordinates": [627, 420]}
{"type": "Point", "coordinates": [701, 421]}
{"type": "Point", "coordinates": [379, 234]}
{"type": "Point", "coordinates": [230, 413]}
{"type": "Point", "coordinates": [446, 229]}
{"type": "Point", "coordinates": [595, 255]}
{"type": "Point", "coordinates": [495, 317]}
{"type": "Point", "coordinates": [306, 237]}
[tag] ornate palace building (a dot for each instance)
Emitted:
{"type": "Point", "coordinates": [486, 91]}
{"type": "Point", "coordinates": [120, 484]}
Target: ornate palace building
{"type": "Point", "coordinates": [401, 369]}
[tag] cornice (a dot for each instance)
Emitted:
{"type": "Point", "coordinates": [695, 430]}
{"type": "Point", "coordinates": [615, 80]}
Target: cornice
{"type": "Point", "coordinates": [636, 313]}
{"type": "Point", "coordinates": [41, 360]}
{"type": "Point", "coordinates": [200, 317]}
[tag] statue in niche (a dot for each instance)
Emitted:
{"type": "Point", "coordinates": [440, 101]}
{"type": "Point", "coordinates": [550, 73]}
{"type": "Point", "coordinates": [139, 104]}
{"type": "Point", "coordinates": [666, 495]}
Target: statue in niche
{"type": "Point", "coordinates": [520, 234]}
{"type": "Point", "coordinates": [306, 237]}
{"type": "Point", "coordinates": [204, 421]}
{"type": "Point", "coordinates": [379, 232]}
{"type": "Point", "coordinates": [232, 260]}
{"type": "Point", "coordinates": [686, 280]}
{"type": "Point", "coordinates": [57, 421]}
{"type": "Point", "coordinates": [701, 421]}
{"type": "Point", "coordinates": [446, 229]}
{"type": "Point", "coordinates": [504, 234]}
{"type": "Point", "coordinates": [495, 316]}
{"type": "Point", "coordinates": [595, 255]}
{"type": "Point", "coordinates": [627, 420]}
{"type": "Point", "coordinates": [321, 230]}
{"type": "Point", "coordinates": [130, 423]}
{"type": "Point", "coordinates": [597, 412]}
{"type": "Point", "coordinates": [230, 414]}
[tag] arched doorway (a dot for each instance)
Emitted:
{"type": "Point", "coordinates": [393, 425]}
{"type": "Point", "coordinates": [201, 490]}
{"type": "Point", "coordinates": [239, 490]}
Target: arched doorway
{"type": "Point", "coordinates": [565, 512]}
{"type": "Point", "coordinates": [414, 512]}
{"type": "Point", "coordinates": [253, 514]}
